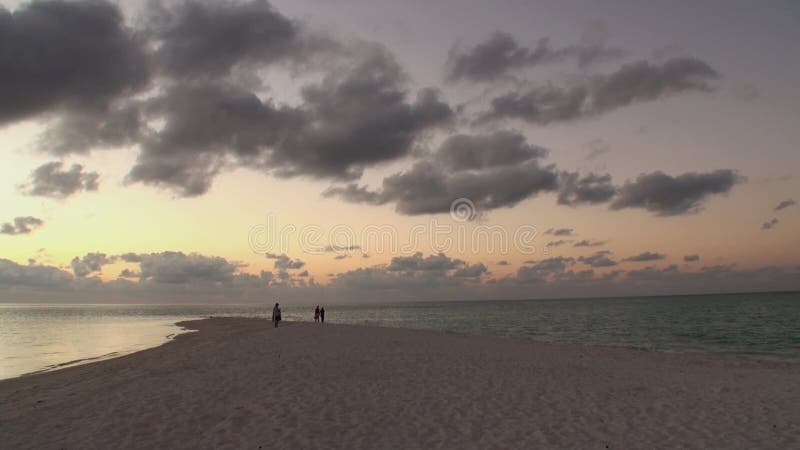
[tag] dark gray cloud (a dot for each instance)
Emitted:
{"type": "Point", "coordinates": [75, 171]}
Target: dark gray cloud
{"type": "Point", "coordinates": [785, 204]}
{"type": "Point", "coordinates": [770, 224]}
{"type": "Point", "coordinates": [632, 83]}
{"type": "Point", "coordinates": [359, 117]}
{"type": "Point", "coordinates": [499, 170]}
{"type": "Point", "coordinates": [128, 273]}
{"type": "Point", "coordinates": [416, 262]}
{"type": "Point", "coordinates": [538, 272]}
{"type": "Point", "coordinates": [21, 225]}
{"type": "Point", "coordinates": [471, 271]}
{"type": "Point", "coordinates": [691, 258]}
{"type": "Point", "coordinates": [559, 243]}
{"type": "Point", "coordinates": [206, 127]}
{"type": "Point", "coordinates": [284, 262]}
{"type": "Point", "coordinates": [588, 189]}
{"type": "Point", "coordinates": [350, 120]}
{"type": "Point", "coordinates": [180, 268]}
{"type": "Point", "coordinates": [79, 132]}
{"type": "Point", "coordinates": [342, 248]}
{"type": "Point", "coordinates": [13, 274]}
{"type": "Point", "coordinates": [208, 39]}
{"type": "Point", "coordinates": [560, 231]}
{"type": "Point", "coordinates": [501, 54]}
{"type": "Point", "coordinates": [598, 259]}
{"type": "Point", "coordinates": [49, 180]}
{"type": "Point", "coordinates": [588, 243]}
{"type": "Point", "coordinates": [85, 58]}
{"type": "Point", "coordinates": [646, 256]}
{"type": "Point", "coordinates": [130, 257]}
{"type": "Point", "coordinates": [502, 262]}
{"type": "Point", "coordinates": [413, 274]}
{"type": "Point", "coordinates": [90, 263]}
{"type": "Point", "coordinates": [666, 195]}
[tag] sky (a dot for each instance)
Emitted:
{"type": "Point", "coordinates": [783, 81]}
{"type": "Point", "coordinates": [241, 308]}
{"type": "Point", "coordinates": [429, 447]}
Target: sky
{"type": "Point", "coordinates": [344, 151]}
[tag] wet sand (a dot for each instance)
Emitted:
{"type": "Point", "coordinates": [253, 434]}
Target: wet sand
{"type": "Point", "coordinates": [240, 383]}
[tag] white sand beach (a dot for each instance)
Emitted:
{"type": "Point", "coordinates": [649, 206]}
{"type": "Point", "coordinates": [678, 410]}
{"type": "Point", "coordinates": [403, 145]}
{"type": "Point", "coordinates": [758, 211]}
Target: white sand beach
{"type": "Point", "coordinates": [240, 383]}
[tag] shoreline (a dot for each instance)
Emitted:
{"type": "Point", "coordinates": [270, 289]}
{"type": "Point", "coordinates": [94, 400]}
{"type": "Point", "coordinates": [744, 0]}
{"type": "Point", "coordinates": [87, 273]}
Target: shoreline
{"type": "Point", "coordinates": [185, 330]}
{"type": "Point", "coordinates": [238, 382]}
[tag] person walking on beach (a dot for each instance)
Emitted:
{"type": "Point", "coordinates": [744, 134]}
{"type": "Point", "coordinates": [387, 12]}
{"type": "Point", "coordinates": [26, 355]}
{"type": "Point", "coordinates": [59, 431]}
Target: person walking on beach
{"type": "Point", "coordinates": [322, 314]}
{"type": "Point", "coordinates": [276, 314]}
{"type": "Point", "coordinates": [316, 314]}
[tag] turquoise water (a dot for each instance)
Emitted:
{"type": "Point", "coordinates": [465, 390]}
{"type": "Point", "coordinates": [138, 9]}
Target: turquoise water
{"type": "Point", "coordinates": [42, 337]}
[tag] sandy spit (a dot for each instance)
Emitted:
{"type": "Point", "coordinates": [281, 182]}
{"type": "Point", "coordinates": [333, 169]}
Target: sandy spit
{"type": "Point", "coordinates": [240, 383]}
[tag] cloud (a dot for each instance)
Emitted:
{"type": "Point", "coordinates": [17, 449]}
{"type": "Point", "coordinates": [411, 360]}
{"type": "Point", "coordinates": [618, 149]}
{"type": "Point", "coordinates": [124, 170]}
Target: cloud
{"type": "Point", "coordinates": [691, 258]}
{"type": "Point", "coordinates": [501, 54]}
{"type": "Point", "coordinates": [180, 268]}
{"type": "Point", "coordinates": [537, 272]}
{"type": "Point", "coordinates": [598, 259]}
{"type": "Point", "coordinates": [559, 243]}
{"type": "Point", "coordinates": [128, 273]}
{"type": "Point", "coordinates": [471, 271]}
{"type": "Point", "coordinates": [341, 248]}
{"type": "Point", "coordinates": [85, 58]}
{"type": "Point", "coordinates": [588, 243]}
{"type": "Point", "coordinates": [21, 225]}
{"type": "Point", "coordinates": [502, 262]}
{"type": "Point", "coordinates": [785, 204]}
{"type": "Point", "coordinates": [632, 83]}
{"type": "Point", "coordinates": [284, 262]}
{"type": "Point", "coordinates": [416, 262]}
{"type": "Point", "coordinates": [646, 256]}
{"type": "Point", "coordinates": [412, 275]}
{"type": "Point", "coordinates": [499, 169]}
{"type": "Point", "coordinates": [560, 231]}
{"type": "Point", "coordinates": [13, 274]}
{"type": "Point", "coordinates": [340, 257]}
{"type": "Point", "coordinates": [90, 263]}
{"type": "Point", "coordinates": [352, 119]}
{"type": "Point", "coordinates": [770, 224]}
{"type": "Point", "coordinates": [207, 39]}
{"type": "Point", "coordinates": [48, 180]}
{"type": "Point", "coordinates": [666, 195]}
{"type": "Point", "coordinates": [589, 189]}
{"type": "Point", "coordinates": [207, 127]}
{"type": "Point", "coordinates": [597, 147]}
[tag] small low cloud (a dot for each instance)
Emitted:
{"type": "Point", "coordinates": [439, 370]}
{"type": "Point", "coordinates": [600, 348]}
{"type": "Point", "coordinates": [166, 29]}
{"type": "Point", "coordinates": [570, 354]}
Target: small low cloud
{"type": "Point", "coordinates": [691, 258]}
{"type": "Point", "coordinates": [559, 243]}
{"type": "Point", "coordinates": [646, 256]}
{"type": "Point", "coordinates": [770, 224]}
{"type": "Point", "coordinates": [598, 259]}
{"type": "Point", "coordinates": [21, 225]}
{"type": "Point", "coordinates": [49, 180]}
{"type": "Point", "coordinates": [588, 243]}
{"type": "Point", "coordinates": [785, 204]}
{"type": "Point", "coordinates": [284, 262]}
{"type": "Point", "coordinates": [502, 263]}
{"type": "Point", "coordinates": [560, 231]}
{"type": "Point", "coordinates": [596, 148]}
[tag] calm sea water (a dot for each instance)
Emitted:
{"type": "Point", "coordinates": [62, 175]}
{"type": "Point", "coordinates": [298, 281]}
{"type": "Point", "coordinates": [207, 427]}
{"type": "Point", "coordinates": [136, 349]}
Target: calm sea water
{"type": "Point", "coordinates": [45, 337]}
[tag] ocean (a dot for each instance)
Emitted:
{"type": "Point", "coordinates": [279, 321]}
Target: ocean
{"type": "Point", "coordinates": [46, 337]}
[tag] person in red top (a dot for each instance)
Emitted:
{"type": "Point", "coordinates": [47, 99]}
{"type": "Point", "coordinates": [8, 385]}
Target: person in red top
{"type": "Point", "coordinates": [316, 314]}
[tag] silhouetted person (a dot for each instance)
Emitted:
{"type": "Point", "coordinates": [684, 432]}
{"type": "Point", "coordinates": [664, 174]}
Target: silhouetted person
{"type": "Point", "coordinates": [276, 314]}
{"type": "Point", "coordinates": [316, 314]}
{"type": "Point", "coordinates": [322, 314]}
